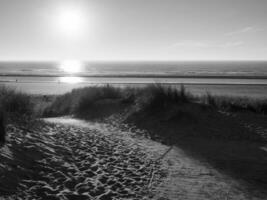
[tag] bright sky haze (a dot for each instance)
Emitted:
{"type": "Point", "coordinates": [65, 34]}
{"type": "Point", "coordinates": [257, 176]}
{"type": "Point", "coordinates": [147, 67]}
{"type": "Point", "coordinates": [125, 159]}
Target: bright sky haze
{"type": "Point", "coordinates": [133, 29]}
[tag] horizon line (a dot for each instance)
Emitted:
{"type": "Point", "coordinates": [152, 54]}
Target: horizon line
{"type": "Point", "coordinates": [136, 60]}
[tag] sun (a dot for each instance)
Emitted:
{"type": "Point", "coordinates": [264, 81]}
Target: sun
{"type": "Point", "coordinates": [70, 21]}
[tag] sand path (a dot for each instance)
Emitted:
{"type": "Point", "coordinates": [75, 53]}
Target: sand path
{"type": "Point", "coordinates": [73, 159]}
{"type": "Point", "coordinates": [196, 180]}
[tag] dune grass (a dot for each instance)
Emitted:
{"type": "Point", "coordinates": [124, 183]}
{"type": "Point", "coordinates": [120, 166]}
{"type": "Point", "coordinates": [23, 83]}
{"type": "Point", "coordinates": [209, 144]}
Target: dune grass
{"type": "Point", "coordinates": [15, 103]}
{"type": "Point", "coordinates": [82, 102]}
{"type": "Point", "coordinates": [91, 101]}
{"type": "Point", "coordinates": [157, 103]}
{"type": "Point", "coordinates": [236, 104]}
{"type": "Point", "coordinates": [159, 108]}
{"type": "Point", "coordinates": [156, 97]}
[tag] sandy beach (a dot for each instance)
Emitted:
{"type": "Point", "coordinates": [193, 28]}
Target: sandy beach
{"type": "Point", "coordinates": [66, 161]}
{"type": "Point", "coordinates": [71, 159]}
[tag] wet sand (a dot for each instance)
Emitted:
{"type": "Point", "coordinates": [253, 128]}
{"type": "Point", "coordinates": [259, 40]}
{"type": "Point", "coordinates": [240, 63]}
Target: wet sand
{"type": "Point", "coordinates": [55, 88]}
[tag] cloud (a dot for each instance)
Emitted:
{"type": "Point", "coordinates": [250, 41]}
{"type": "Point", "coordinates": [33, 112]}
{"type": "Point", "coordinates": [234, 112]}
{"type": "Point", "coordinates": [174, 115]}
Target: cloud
{"type": "Point", "coordinates": [243, 30]}
{"type": "Point", "coordinates": [206, 44]}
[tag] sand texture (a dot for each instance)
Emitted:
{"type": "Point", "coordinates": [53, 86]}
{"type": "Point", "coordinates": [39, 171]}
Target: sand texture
{"type": "Point", "coordinates": [65, 158]}
{"type": "Point", "coordinates": [66, 162]}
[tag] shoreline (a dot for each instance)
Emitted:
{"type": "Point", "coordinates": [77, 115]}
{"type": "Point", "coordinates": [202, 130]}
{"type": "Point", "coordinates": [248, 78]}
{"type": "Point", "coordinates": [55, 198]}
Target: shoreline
{"type": "Point", "coordinates": [140, 83]}
{"type": "Point", "coordinates": [136, 76]}
{"type": "Point", "coordinates": [55, 88]}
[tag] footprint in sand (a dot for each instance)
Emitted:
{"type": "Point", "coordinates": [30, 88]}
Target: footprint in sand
{"type": "Point", "coordinates": [80, 163]}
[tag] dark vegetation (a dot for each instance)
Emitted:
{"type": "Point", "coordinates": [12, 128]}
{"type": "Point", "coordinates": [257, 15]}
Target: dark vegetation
{"type": "Point", "coordinates": [17, 108]}
{"type": "Point", "coordinates": [152, 104]}
{"type": "Point", "coordinates": [236, 104]}
{"type": "Point", "coordinates": [173, 113]}
{"type": "Point", "coordinates": [88, 103]}
{"type": "Point", "coordinates": [15, 103]}
{"type": "Point", "coordinates": [2, 130]}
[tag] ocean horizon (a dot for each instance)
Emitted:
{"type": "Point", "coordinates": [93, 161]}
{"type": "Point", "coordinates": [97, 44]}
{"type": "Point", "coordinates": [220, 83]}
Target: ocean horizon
{"type": "Point", "coordinates": [138, 68]}
{"type": "Point", "coordinates": [240, 78]}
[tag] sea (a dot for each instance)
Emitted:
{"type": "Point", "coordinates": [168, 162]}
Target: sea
{"type": "Point", "coordinates": [233, 78]}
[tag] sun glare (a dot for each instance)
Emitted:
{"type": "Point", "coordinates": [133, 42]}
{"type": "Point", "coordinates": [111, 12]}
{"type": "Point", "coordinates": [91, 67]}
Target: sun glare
{"type": "Point", "coordinates": [70, 79]}
{"type": "Point", "coordinates": [70, 21]}
{"type": "Point", "coordinates": [71, 66]}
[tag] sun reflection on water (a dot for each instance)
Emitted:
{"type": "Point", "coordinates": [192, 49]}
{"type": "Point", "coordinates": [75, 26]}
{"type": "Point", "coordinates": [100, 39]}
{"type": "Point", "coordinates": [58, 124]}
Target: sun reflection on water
{"type": "Point", "coordinates": [70, 79]}
{"type": "Point", "coordinates": [71, 66]}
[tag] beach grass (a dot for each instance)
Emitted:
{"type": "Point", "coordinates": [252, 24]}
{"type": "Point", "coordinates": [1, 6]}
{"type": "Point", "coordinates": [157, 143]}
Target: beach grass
{"type": "Point", "coordinates": [163, 104]}
{"type": "Point", "coordinates": [173, 107]}
{"type": "Point", "coordinates": [101, 101]}
{"type": "Point", "coordinates": [235, 104]}
{"type": "Point", "coordinates": [80, 102]}
{"type": "Point", "coordinates": [15, 103]}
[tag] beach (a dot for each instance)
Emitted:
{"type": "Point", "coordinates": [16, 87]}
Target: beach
{"type": "Point", "coordinates": [229, 86]}
{"type": "Point", "coordinates": [66, 158]}
{"type": "Point", "coordinates": [107, 137]}
{"type": "Point", "coordinates": [236, 78]}
{"type": "Point", "coordinates": [133, 100]}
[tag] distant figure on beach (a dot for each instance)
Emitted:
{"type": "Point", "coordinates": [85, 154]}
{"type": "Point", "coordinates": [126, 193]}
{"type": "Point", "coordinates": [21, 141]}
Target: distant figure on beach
{"type": "Point", "coordinates": [2, 130]}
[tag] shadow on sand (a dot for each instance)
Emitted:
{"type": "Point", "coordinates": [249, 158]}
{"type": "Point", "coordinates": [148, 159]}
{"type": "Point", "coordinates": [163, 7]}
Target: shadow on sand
{"type": "Point", "coordinates": [213, 137]}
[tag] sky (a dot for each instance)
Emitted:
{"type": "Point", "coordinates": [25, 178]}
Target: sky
{"type": "Point", "coordinates": [133, 29]}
